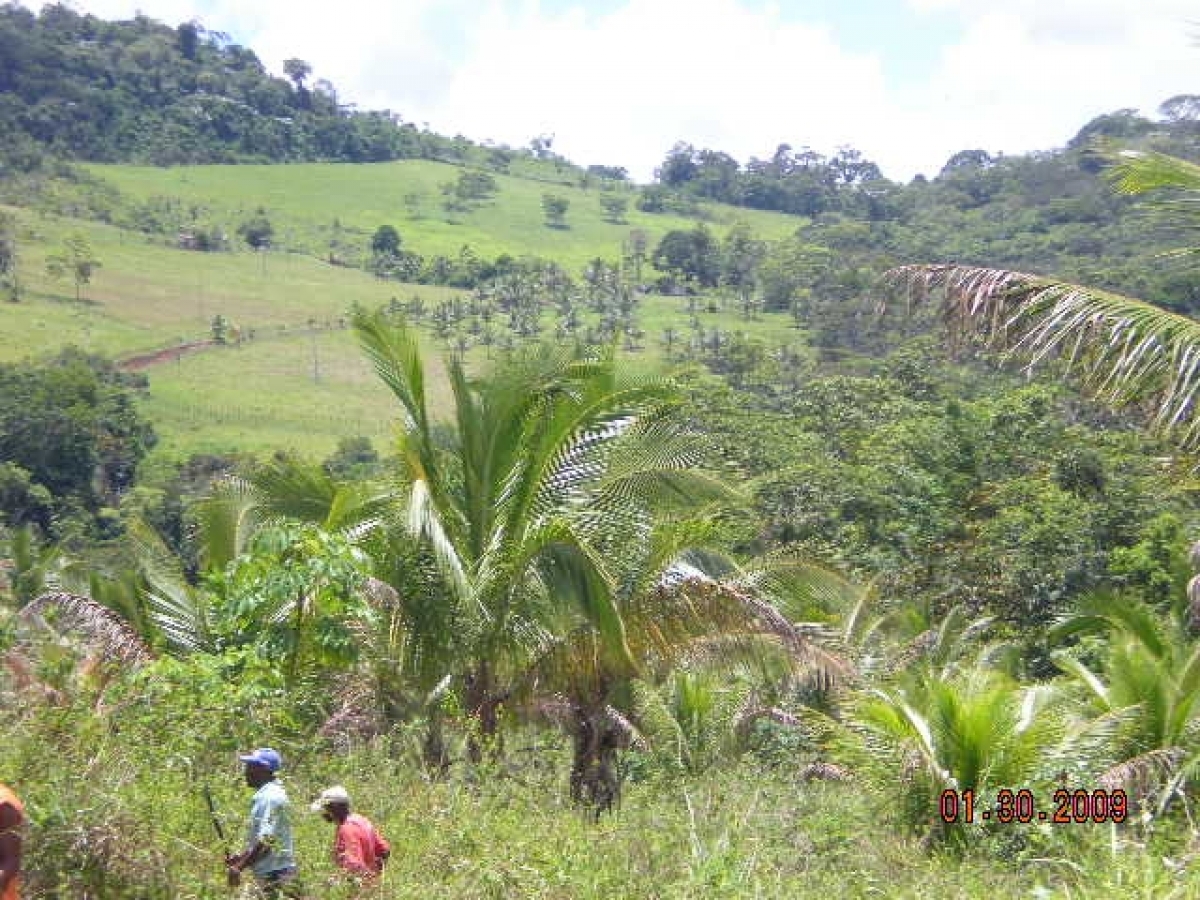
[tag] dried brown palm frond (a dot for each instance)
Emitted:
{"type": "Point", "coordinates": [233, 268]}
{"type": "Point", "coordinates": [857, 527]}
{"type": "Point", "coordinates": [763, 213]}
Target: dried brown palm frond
{"type": "Point", "coordinates": [103, 629]}
{"type": "Point", "coordinates": [356, 717]}
{"type": "Point", "coordinates": [380, 594]}
{"type": "Point", "coordinates": [1125, 350]}
{"type": "Point", "coordinates": [1140, 775]}
{"type": "Point", "coordinates": [747, 717]}
{"type": "Point", "coordinates": [826, 771]}
{"type": "Point", "coordinates": [20, 670]}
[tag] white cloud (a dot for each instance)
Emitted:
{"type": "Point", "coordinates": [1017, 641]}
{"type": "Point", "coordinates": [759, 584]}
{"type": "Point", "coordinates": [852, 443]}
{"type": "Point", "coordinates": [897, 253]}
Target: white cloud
{"type": "Point", "coordinates": [621, 89]}
{"type": "Point", "coordinates": [620, 86]}
{"type": "Point", "coordinates": [1028, 74]}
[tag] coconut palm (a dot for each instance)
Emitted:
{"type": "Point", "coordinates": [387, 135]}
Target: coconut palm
{"type": "Point", "coordinates": [1149, 680]}
{"type": "Point", "coordinates": [676, 604]}
{"type": "Point", "coordinates": [977, 731]}
{"type": "Point", "coordinates": [1127, 350]}
{"type": "Point", "coordinates": [542, 472]}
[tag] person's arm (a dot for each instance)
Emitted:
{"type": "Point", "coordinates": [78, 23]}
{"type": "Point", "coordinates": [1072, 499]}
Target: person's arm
{"type": "Point", "coordinates": [382, 848]}
{"type": "Point", "coordinates": [10, 844]}
{"type": "Point", "coordinates": [239, 862]}
{"type": "Point", "coordinates": [263, 842]}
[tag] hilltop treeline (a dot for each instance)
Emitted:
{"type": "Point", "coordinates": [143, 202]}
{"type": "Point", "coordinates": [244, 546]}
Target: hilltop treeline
{"type": "Point", "coordinates": [142, 91]}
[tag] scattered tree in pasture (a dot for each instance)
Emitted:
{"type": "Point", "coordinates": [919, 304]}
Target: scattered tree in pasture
{"type": "Point", "coordinates": [634, 250]}
{"type": "Point", "coordinates": [691, 257]}
{"type": "Point", "coordinates": [609, 173]}
{"type": "Point", "coordinates": [257, 231]}
{"type": "Point", "coordinates": [75, 259]}
{"type": "Point", "coordinates": [555, 208]}
{"type": "Point", "coordinates": [412, 203]}
{"type": "Point", "coordinates": [741, 254]}
{"type": "Point", "coordinates": [470, 189]}
{"type": "Point", "coordinates": [615, 207]}
{"type": "Point", "coordinates": [385, 240]}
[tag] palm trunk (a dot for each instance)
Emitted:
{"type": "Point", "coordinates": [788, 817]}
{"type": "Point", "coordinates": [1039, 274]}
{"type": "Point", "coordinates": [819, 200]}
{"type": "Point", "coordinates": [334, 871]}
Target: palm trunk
{"type": "Point", "coordinates": [434, 753]}
{"type": "Point", "coordinates": [483, 702]}
{"type": "Point", "coordinates": [595, 782]}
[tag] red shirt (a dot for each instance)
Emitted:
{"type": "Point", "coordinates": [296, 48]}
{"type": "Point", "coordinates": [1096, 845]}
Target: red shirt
{"type": "Point", "coordinates": [358, 847]}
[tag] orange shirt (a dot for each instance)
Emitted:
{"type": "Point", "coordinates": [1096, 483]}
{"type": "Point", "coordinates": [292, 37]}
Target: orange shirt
{"type": "Point", "coordinates": [8, 798]}
{"type": "Point", "coordinates": [357, 846]}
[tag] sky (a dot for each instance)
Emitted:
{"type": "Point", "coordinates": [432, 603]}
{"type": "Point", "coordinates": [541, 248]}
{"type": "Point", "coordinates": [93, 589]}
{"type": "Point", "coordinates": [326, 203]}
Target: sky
{"type": "Point", "coordinates": [908, 83]}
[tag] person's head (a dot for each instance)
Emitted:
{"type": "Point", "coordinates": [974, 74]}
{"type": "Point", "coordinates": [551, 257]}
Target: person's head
{"type": "Point", "coordinates": [333, 804]}
{"type": "Point", "coordinates": [261, 766]}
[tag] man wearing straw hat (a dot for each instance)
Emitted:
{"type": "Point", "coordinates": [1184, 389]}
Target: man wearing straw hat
{"type": "Point", "coordinates": [358, 848]}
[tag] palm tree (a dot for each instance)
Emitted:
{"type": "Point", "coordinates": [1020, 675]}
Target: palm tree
{"type": "Point", "coordinates": [1148, 685]}
{"type": "Point", "coordinates": [673, 604]}
{"type": "Point", "coordinates": [1127, 350]}
{"type": "Point", "coordinates": [977, 731]}
{"type": "Point", "coordinates": [547, 469]}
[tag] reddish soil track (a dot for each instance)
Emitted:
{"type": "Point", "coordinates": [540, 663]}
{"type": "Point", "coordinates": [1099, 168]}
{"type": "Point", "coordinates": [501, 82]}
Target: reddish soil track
{"type": "Point", "coordinates": [146, 360]}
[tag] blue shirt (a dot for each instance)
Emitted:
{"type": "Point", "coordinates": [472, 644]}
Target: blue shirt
{"type": "Point", "coordinates": [271, 823]}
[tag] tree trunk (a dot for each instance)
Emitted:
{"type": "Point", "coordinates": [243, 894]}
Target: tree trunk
{"type": "Point", "coordinates": [483, 704]}
{"type": "Point", "coordinates": [595, 782]}
{"type": "Point", "coordinates": [434, 753]}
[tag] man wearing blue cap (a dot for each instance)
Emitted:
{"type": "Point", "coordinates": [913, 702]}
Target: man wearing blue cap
{"type": "Point", "coordinates": [269, 850]}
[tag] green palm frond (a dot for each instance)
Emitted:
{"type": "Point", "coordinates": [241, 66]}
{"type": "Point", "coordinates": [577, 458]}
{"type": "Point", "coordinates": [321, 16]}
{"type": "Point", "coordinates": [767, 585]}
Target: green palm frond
{"type": "Point", "coordinates": [395, 354]}
{"type": "Point", "coordinates": [179, 612]}
{"type": "Point", "coordinates": [1125, 350]}
{"type": "Point", "coordinates": [425, 523]}
{"type": "Point", "coordinates": [574, 576]}
{"type": "Point", "coordinates": [292, 489]}
{"type": "Point", "coordinates": [228, 518]}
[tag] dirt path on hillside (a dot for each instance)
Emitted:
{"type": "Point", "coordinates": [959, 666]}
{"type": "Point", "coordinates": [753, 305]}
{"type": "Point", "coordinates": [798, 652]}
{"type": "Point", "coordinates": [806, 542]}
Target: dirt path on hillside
{"type": "Point", "coordinates": [146, 360]}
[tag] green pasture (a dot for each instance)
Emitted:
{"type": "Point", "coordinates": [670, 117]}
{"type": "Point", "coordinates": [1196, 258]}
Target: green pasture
{"type": "Point", "coordinates": [147, 295]}
{"type": "Point", "coordinates": [305, 389]}
{"type": "Point", "coordinates": [264, 394]}
{"type": "Point", "coordinates": [267, 393]}
{"type": "Point", "coordinates": [303, 202]}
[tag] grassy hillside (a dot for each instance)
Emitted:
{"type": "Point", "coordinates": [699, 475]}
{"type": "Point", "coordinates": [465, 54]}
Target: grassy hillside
{"type": "Point", "coordinates": [267, 393]}
{"type": "Point", "coordinates": [304, 201]}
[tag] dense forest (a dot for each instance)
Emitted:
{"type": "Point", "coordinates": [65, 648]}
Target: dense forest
{"type": "Point", "coordinates": [743, 560]}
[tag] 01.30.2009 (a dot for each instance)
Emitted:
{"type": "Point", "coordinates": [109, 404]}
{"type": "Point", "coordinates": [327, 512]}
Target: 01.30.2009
{"type": "Point", "coordinates": [1069, 807]}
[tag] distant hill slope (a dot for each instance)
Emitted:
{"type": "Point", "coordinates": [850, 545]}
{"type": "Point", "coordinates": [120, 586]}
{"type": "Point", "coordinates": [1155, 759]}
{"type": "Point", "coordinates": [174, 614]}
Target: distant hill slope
{"type": "Point", "coordinates": [322, 209]}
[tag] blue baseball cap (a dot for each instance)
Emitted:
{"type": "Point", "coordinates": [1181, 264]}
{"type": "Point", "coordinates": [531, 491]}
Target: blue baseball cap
{"type": "Point", "coordinates": [263, 756]}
